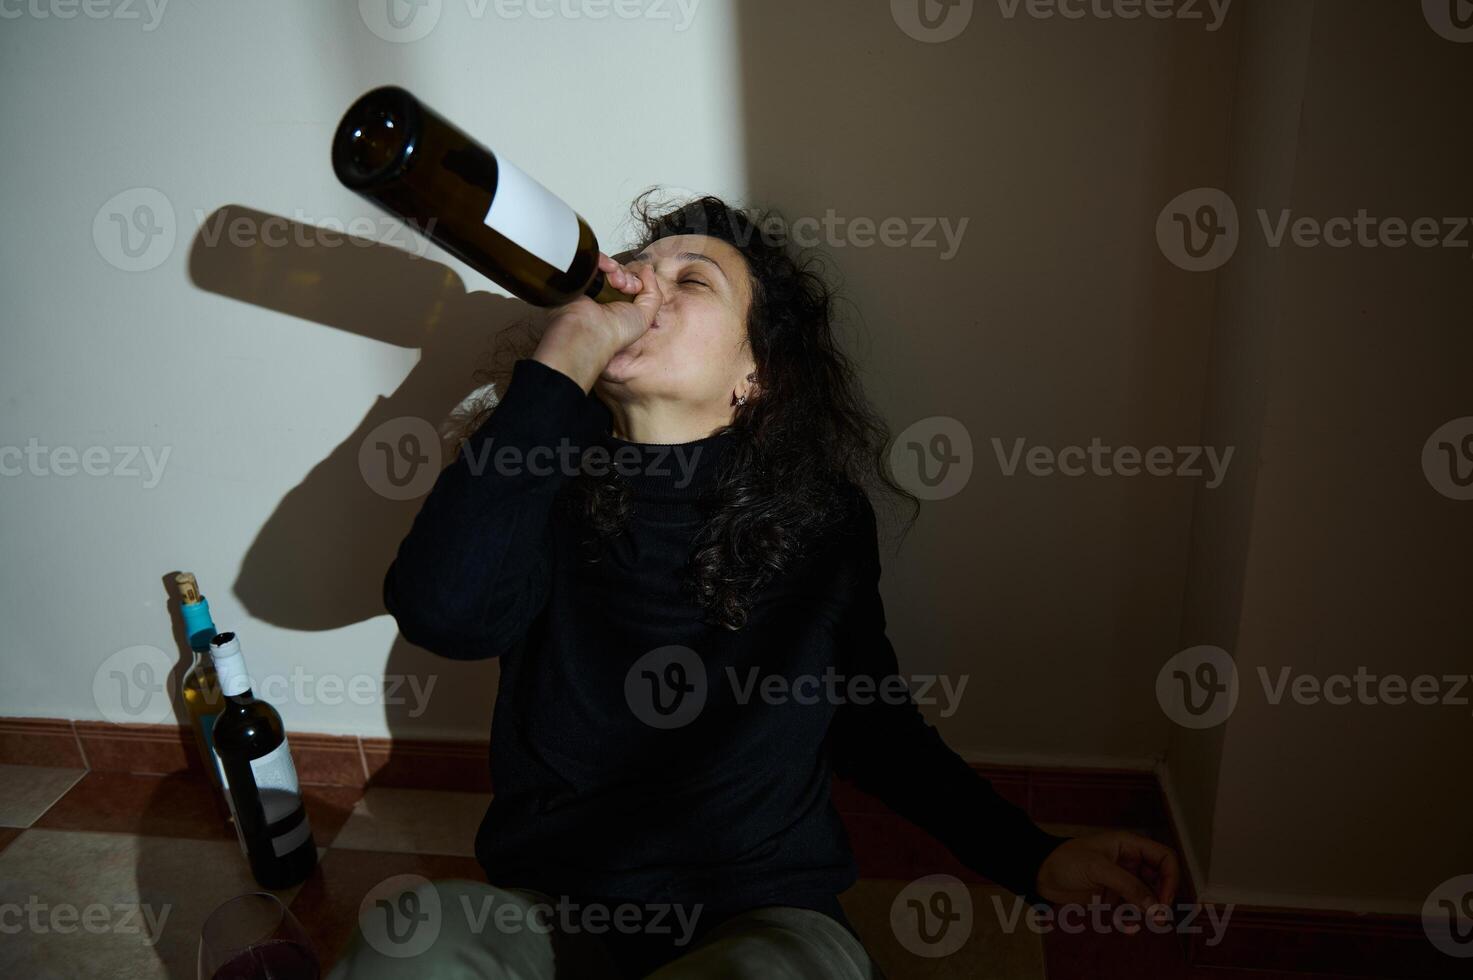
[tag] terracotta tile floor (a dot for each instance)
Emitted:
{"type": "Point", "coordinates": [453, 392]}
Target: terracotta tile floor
{"type": "Point", "coordinates": [153, 856]}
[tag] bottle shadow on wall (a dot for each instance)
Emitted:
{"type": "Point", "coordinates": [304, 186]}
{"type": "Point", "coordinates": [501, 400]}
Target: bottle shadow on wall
{"type": "Point", "coordinates": [318, 562]}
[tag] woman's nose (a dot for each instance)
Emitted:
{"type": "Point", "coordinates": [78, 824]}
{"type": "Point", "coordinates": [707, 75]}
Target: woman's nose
{"type": "Point", "coordinates": [652, 278]}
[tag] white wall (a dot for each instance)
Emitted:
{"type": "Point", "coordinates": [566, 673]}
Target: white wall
{"type": "Point", "coordinates": [234, 104]}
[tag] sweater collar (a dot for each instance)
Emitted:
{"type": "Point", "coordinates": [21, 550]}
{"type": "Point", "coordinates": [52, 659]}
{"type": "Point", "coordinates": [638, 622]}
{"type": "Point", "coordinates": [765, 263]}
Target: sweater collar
{"type": "Point", "coordinates": [668, 471]}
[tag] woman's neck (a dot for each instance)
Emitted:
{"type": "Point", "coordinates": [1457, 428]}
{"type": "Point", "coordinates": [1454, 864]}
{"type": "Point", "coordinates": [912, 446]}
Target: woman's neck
{"type": "Point", "coordinates": [662, 424]}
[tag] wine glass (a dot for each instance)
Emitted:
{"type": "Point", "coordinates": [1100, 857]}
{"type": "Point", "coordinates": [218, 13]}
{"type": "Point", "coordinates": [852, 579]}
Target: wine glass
{"type": "Point", "coordinates": [254, 937]}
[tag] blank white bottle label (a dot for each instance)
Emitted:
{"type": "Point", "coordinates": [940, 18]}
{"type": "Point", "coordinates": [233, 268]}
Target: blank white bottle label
{"type": "Point", "coordinates": [276, 781]}
{"type": "Point", "coordinates": [284, 844]}
{"type": "Point", "coordinates": [533, 217]}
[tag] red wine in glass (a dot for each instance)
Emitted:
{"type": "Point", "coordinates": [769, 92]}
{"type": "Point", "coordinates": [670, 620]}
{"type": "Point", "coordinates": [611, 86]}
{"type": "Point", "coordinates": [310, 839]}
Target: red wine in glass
{"type": "Point", "coordinates": [254, 937]}
{"type": "Point", "coordinates": [275, 959]}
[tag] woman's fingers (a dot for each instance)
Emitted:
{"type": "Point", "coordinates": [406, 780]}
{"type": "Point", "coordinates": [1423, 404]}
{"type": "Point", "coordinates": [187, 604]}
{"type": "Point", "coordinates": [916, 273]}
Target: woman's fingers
{"type": "Point", "coordinates": [1157, 856]}
{"type": "Point", "coordinates": [649, 295]}
{"type": "Point", "coordinates": [623, 279]}
{"type": "Point", "coordinates": [1127, 886]}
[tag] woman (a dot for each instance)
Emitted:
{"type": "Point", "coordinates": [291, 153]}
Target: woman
{"type": "Point", "coordinates": [662, 531]}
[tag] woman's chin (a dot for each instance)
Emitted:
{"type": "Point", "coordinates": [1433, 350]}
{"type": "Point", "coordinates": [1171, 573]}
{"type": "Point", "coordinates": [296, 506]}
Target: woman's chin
{"type": "Point", "coordinates": [621, 369]}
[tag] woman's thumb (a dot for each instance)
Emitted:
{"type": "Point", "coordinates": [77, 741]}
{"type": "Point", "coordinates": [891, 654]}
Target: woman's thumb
{"type": "Point", "coordinates": [651, 295]}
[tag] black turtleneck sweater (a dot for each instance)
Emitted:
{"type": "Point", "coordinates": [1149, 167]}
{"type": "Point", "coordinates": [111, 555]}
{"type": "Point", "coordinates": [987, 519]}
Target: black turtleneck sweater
{"type": "Point", "coordinates": [724, 800]}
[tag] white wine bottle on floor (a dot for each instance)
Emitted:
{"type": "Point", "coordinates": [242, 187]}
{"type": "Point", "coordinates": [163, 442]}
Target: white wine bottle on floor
{"type": "Point", "coordinates": [199, 687]}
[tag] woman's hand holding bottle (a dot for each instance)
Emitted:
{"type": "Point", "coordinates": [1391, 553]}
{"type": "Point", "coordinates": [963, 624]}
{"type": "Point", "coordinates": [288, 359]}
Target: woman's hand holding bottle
{"type": "Point", "coordinates": [581, 337]}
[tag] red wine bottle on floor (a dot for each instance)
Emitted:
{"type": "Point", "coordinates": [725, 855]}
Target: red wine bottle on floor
{"type": "Point", "coordinates": [260, 779]}
{"type": "Point", "coordinates": [475, 204]}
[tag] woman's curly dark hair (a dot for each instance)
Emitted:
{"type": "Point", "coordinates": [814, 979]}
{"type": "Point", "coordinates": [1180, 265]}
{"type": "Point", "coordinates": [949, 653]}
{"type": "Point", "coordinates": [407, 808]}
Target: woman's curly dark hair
{"type": "Point", "coordinates": [799, 449]}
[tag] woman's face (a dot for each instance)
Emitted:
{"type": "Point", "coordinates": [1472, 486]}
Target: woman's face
{"type": "Point", "coordinates": [697, 352]}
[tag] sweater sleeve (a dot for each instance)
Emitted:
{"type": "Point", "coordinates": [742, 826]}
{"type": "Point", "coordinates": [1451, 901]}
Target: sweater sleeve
{"type": "Point", "coordinates": [472, 573]}
{"type": "Point", "coordinates": [886, 747]}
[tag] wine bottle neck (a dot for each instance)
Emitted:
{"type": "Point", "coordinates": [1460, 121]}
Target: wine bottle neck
{"type": "Point", "coordinates": [198, 625]}
{"type": "Point", "coordinates": [230, 671]}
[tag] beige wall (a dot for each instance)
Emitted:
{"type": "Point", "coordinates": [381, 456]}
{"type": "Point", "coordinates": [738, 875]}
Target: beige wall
{"type": "Point", "coordinates": [1246, 323]}
{"type": "Point", "coordinates": [1337, 555]}
{"type": "Point", "coordinates": [1058, 321]}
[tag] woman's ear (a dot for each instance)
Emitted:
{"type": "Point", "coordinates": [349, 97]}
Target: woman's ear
{"type": "Point", "coordinates": [744, 394]}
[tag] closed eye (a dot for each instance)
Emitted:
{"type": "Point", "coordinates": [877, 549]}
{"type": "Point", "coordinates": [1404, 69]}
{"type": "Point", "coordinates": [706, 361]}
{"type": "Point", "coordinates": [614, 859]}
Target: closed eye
{"type": "Point", "coordinates": [695, 282]}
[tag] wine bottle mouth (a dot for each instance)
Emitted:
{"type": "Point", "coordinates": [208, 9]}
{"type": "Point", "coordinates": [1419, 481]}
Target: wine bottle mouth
{"type": "Point", "coordinates": [375, 141]}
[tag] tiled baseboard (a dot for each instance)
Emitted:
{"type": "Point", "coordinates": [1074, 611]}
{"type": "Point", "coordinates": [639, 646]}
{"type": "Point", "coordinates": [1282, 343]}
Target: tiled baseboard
{"type": "Point", "coordinates": [40, 742]}
{"type": "Point", "coordinates": [321, 760]}
{"type": "Point", "coordinates": [1342, 944]}
{"type": "Point", "coordinates": [1115, 798]}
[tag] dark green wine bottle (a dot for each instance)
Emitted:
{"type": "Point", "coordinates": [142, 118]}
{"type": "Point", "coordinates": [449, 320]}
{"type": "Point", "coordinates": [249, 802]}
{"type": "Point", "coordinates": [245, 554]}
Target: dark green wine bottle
{"type": "Point", "coordinates": [479, 207]}
{"type": "Point", "coordinates": [260, 778]}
